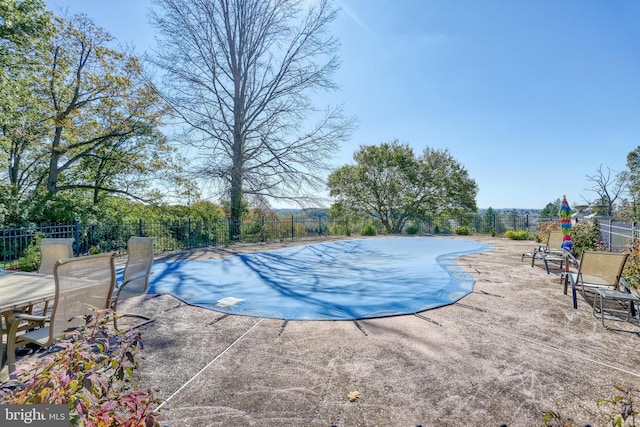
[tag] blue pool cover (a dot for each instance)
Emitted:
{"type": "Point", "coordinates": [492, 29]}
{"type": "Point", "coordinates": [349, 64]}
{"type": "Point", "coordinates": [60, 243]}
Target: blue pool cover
{"type": "Point", "coordinates": [342, 280]}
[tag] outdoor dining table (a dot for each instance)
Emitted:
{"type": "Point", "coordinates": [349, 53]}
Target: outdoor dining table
{"type": "Point", "coordinates": [19, 290]}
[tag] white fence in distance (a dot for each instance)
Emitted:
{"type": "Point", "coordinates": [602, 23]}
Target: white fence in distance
{"type": "Point", "coordinates": [617, 235]}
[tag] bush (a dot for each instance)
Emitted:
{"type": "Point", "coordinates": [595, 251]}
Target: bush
{"type": "Point", "coordinates": [632, 267]}
{"type": "Point", "coordinates": [517, 235]}
{"type": "Point", "coordinates": [463, 231]}
{"type": "Point", "coordinates": [94, 373]}
{"type": "Point", "coordinates": [545, 228]}
{"type": "Point", "coordinates": [413, 229]}
{"type": "Point", "coordinates": [31, 258]}
{"type": "Point", "coordinates": [585, 237]}
{"type": "Point", "coordinates": [369, 230]}
{"type": "Point", "coordinates": [95, 250]}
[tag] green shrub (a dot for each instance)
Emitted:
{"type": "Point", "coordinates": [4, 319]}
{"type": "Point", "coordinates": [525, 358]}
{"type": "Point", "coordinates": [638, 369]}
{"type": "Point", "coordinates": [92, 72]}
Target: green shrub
{"type": "Point", "coordinates": [493, 232]}
{"type": "Point", "coordinates": [463, 231]}
{"type": "Point", "coordinates": [517, 235]}
{"type": "Point", "coordinates": [31, 258]}
{"type": "Point", "coordinates": [413, 229]}
{"type": "Point", "coordinates": [632, 267]}
{"type": "Point", "coordinates": [585, 237]}
{"type": "Point", "coordinates": [369, 230]}
{"type": "Point", "coordinates": [95, 250]}
{"type": "Point", "coordinates": [436, 229]}
{"type": "Point", "coordinates": [95, 368]}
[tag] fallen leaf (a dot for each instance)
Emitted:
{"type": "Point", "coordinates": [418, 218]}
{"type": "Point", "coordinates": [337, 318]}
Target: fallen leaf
{"type": "Point", "coordinates": [353, 396]}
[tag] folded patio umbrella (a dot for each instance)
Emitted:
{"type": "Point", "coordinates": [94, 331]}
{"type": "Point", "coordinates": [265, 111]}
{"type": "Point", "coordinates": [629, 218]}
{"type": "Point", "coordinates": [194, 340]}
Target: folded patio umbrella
{"type": "Point", "coordinates": [565, 224]}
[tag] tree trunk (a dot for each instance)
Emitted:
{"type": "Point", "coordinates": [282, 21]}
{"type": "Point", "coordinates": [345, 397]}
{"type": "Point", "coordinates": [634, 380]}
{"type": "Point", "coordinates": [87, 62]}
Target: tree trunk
{"type": "Point", "coordinates": [52, 181]}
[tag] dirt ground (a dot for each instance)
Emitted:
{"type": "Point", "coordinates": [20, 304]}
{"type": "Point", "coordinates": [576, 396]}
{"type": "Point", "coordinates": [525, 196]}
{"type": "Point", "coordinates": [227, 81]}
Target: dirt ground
{"type": "Point", "coordinates": [508, 353]}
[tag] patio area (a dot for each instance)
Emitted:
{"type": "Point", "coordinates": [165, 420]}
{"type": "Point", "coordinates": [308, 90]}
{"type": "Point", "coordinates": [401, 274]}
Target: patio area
{"type": "Point", "coordinates": [508, 353]}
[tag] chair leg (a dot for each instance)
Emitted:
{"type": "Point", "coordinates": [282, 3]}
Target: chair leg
{"type": "Point", "coordinates": [601, 308]}
{"type": "Point", "coordinates": [12, 345]}
{"type": "Point", "coordinates": [565, 281]}
{"type": "Point", "coordinates": [137, 325]}
{"type": "Point", "coordinates": [630, 307]}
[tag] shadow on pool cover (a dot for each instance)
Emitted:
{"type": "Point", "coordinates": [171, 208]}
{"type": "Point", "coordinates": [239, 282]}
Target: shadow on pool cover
{"type": "Point", "coordinates": [344, 280]}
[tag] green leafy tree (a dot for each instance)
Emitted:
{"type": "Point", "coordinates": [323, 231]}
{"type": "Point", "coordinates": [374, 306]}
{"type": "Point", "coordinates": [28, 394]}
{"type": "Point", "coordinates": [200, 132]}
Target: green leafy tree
{"type": "Point", "coordinates": [633, 166]}
{"type": "Point", "coordinates": [239, 73]}
{"type": "Point", "coordinates": [79, 120]}
{"type": "Point", "coordinates": [390, 183]}
{"type": "Point", "coordinates": [25, 28]}
{"type": "Point", "coordinates": [551, 210]}
{"type": "Point", "coordinates": [490, 224]}
{"type": "Point", "coordinates": [105, 115]}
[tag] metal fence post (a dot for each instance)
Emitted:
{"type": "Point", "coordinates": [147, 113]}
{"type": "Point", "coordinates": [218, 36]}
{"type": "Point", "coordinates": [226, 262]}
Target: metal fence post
{"type": "Point", "coordinates": [292, 227]}
{"type": "Point", "coordinates": [610, 239]}
{"type": "Point", "coordinates": [77, 236]}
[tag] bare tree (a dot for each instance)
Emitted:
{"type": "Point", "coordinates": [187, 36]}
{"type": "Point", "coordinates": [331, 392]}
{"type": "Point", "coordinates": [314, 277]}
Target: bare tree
{"type": "Point", "coordinates": [607, 187]}
{"type": "Point", "coordinates": [240, 73]}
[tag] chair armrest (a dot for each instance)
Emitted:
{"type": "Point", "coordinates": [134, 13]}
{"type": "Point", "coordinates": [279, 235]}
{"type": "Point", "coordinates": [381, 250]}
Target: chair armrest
{"type": "Point", "coordinates": [30, 317]}
{"type": "Point", "coordinates": [625, 284]}
{"type": "Point", "coordinates": [131, 279]}
{"type": "Point", "coordinates": [571, 258]}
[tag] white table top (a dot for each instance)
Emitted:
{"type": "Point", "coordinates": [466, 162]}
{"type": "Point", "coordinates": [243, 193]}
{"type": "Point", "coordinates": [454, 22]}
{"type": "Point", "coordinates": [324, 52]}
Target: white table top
{"type": "Point", "coordinates": [19, 289]}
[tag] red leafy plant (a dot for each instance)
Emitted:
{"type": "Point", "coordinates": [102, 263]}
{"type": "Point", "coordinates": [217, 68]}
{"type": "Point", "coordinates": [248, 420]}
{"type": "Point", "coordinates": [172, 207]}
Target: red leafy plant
{"type": "Point", "coordinates": [94, 371]}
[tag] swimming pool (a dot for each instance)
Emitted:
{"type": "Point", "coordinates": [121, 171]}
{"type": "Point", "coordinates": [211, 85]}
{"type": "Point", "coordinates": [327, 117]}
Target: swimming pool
{"type": "Point", "coordinates": [342, 280]}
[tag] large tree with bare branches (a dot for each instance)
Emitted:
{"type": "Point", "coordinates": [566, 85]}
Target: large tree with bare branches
{"type": "Point", "coordinates": [608, 188]}
{"type": "Point", "coordinates": [240, 74]}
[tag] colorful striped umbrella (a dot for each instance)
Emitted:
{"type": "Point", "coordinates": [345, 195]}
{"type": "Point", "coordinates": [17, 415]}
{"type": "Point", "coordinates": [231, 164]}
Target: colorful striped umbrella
{"type": "Point", "coordinates": [565, 223]}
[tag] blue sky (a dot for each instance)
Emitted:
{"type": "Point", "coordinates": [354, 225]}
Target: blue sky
{"type": "Point", "coordinates": [529, 96]}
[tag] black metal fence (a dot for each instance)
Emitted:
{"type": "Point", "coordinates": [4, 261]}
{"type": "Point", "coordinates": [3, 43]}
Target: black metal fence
{"type": "Point", "coordinates": [190, 234]}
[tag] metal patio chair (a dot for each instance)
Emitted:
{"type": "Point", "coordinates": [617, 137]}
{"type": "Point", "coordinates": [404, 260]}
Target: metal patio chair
{"type": "Point", "coordinates": [81, 284]}
{"type": "Point", "coordinates": [135, 279]}
{"type": "Point", "coordinates": [621, 297]}
{"type": "Point", "coordinates": [51, 250]}
{"type": "Point", "coordinates": [597, 270]}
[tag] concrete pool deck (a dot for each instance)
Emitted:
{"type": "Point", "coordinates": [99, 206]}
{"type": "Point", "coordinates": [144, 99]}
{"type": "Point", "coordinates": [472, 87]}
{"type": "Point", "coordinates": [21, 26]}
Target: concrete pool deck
{"type": "Point", "coordinates": [508, 353]}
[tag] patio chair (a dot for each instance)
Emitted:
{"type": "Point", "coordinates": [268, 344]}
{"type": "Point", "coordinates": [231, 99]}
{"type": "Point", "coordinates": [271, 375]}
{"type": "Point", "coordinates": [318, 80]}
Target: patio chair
{"type": "Point", "coordinates": [597, 270]}
{"type": "Point", "coordinates": [542, 247]}
{"type": "Point", "coordinates": [51, 250]}
{"type": "Point", "coordinates": [621, 297]}
{"type": "Point", "coordinates": [135, 279]}
{"type": "Point", "coordinates": [82, 284]}
{"type": "Point", "coordinates": [550, 251]}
